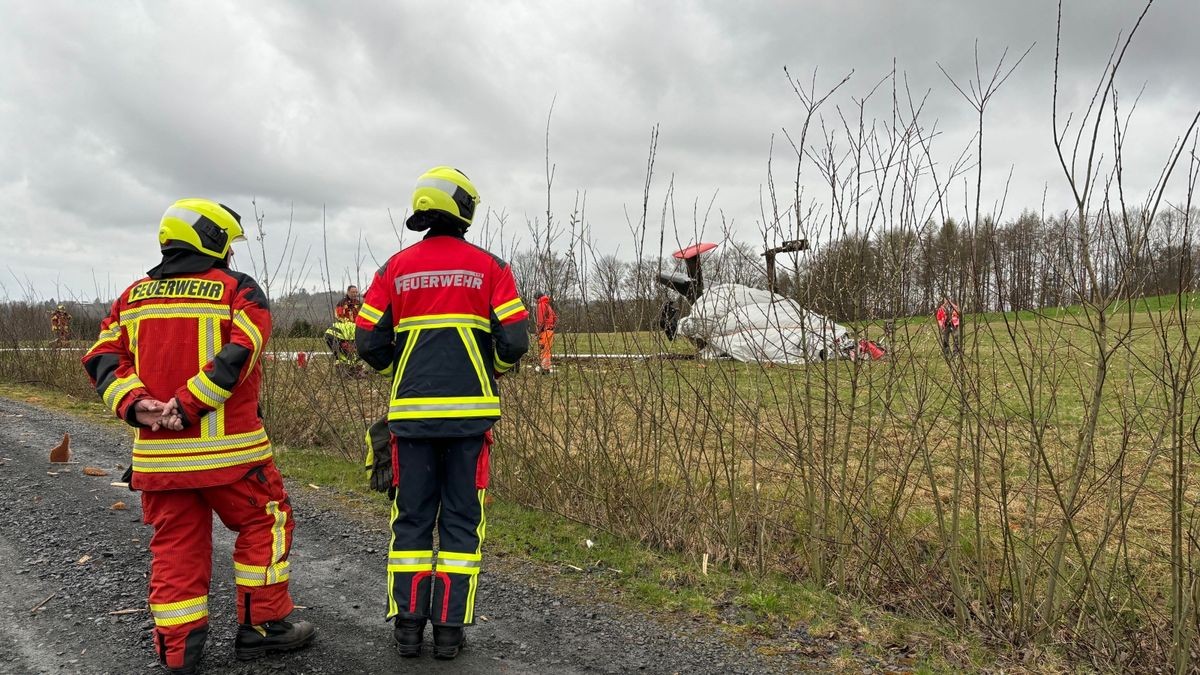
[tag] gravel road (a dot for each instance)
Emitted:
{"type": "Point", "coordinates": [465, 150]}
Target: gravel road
{"type": "Point", "coordinates": [73, 572]}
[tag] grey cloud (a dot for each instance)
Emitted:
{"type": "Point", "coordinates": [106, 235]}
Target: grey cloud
{"type": "Point", "coordinates": [108, 112]}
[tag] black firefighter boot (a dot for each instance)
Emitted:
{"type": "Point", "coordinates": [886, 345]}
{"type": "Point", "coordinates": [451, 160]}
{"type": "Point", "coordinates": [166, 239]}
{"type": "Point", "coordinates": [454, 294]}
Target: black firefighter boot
{"type": "Point", "coordinates": [271, 637]}
{"type": "Point", "coordinates": [409, 634]}
{"type": "Point", "coordinates": [448, 641]}
{"type": "Point", "coordinates": [193, 648]}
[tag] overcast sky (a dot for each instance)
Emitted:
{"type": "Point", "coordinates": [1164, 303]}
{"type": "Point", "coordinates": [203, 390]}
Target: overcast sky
{"type": "Point", "coordinates": [109, 111]}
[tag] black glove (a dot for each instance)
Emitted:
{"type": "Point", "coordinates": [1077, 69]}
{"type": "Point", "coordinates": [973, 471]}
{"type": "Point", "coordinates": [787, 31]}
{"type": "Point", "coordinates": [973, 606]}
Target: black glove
{"type": "Point", "coordinates": [127, 478]}
{"type": "Point", "coordinates": [379, 455]}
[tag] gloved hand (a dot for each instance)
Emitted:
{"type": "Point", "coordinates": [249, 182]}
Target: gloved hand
{"type": "Point", "coordinates": [127, 479]}
{"type": "Point", "coordinates": [379, 455]}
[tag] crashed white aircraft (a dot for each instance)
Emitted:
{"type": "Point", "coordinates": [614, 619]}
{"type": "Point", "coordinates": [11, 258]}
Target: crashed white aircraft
{"type": "Point", "coordinates": [750, 324]}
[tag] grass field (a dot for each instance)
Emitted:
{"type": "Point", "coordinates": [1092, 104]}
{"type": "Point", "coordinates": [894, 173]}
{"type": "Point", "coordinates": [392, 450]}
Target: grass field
{"type": "Point", "coordinates": [761, 610]}
{"type": "Point", "coordinates": [1039, 491]}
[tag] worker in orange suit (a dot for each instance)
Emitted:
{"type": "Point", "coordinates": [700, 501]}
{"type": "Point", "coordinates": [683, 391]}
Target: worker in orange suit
{"type": "Point", "coordinates": [547, 319]}
{"type": "Point", "coordinates": [179, 359]}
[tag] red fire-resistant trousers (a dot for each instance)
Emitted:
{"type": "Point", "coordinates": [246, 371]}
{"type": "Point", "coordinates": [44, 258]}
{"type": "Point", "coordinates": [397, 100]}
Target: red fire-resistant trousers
{"type": "Point", "coordinates": [257, 508]}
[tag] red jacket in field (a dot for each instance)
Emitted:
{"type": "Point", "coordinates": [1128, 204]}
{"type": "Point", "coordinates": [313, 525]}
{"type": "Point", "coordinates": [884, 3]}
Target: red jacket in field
{"type": "Point", "coordinates": [196, 337]}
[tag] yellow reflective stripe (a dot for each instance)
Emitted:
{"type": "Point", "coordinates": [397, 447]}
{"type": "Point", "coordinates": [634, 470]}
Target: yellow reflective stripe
{"type": "Point", "coordinates": [203, 388]}
{"type": "Point", "coordinates": [467, 406]}
{"type": "Point", "coordinates": [409, 344]}
{"type": "Point", "coordinates": [178, 446]}
{"type": "Point", "coordinates": [447, 401]}
{"type": "Point", "coordinates": [443, 414]}
{"type": "Point", "coordinates": [118, 389]}
{"type": "Point", "coordinates": [410, 561]}
{"type": "Point", "coordinates": [458, 563]}
{"type": "Point", "coordinates": [399, 555]}
{"type": "Point", "coordinates": [502, 366]}
{"type": "Point", "coordinates": [132, 331]}
{"type": "Point", "coordinates": [509, 308]}
{"type": "Point", "coordinates": [260, 575]}
{"type": "Point", "coordinates": [182, 310]}
{"type": "Point", "coordinates": [278, 535]}
{"type": "Point", "coordinates": [176, 613]}
{"type": "Point", "coordinates": [209, 341]}
{"type": "Point", "coordinates": [370, 313]}
{"type": "Point", "coordinates": [473, 353]}
{"type": "Point", "coordinates": [393, 608]}
{"type": "Point", "coordinates": [110, 334]}
{"type": "Point", "coordinates": [206, 398]}
{"type": "Point", "coordinates": [369, 463]}
{"type": "Point", "coordinates": [256, 338]}
{"type": "Point", "coordinates": [480, 531]}
{"type": "Point", "coordinates": [219, 461]}
{"type": "Point", "coordinates": [444, 321]}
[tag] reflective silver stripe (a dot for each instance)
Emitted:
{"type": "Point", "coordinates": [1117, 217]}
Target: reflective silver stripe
{"type": "Point", "coordinates": [278, 534]}
{"type": "Point", "coordinates": [261, 576]}
{"type": "Point", "coordinates": [200, 607]}
{"type": "Point", "coordinates": [175, 446]}
{"type": "Point", "coordinates": [208, 389]}
{"type": "Point", "coordinates": [515, 302]}
{"type": "Point", "coordinates": [410, 561]}
{"type": "Point", "coordinates": [428, 407]}
{"type": "Point", "coordinates": [225, 459]}
{"type": "Point", "coordinates": [118, 389]}
{"type": "Point", "coordinates": [452, 562]}
{"type": "Point", "coordinates": [242, 321]}
{"type": "Point", "coordinates": [273, 573]}
{"type": "Point", "coordinates": [449, 187]}
{"type": "Point", "coordinates": [186, 215]}
{"type": "Point", "coordinates": [410, 324]}
{"type": "Point", "coordinates": [508, 309]}
{"type": "Point", "coordinates": [210, 333]}
{"type": "Point", "coordinates": [173, 312]}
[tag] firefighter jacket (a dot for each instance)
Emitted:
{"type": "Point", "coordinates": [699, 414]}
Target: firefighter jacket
{"type": "Point", "coordinates": [197, 337]}
{"type": "Point", "coordinates": [443, 318]}
{"type": "Point", "coordinates": [346, 309]}
{"type": "Point", "coordinates": [547, 318]}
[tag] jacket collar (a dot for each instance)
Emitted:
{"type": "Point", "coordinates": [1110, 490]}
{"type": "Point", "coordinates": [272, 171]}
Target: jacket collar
{"type": "Point", "coordinates": [182, 261]}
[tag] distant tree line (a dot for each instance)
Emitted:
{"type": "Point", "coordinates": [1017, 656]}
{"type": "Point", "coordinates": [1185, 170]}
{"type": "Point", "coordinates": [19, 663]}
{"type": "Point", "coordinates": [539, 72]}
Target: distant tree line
{"type": "Point", "coordinates": [1028, 263]}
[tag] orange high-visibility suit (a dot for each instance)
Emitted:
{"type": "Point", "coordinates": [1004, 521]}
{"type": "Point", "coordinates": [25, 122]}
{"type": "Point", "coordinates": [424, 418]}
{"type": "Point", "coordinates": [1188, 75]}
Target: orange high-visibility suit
{"type": "Point", "coordinates": [547, 319]}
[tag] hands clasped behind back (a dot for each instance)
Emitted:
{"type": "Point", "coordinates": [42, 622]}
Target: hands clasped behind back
{"type": "Point", "coordinates": [158, 415]}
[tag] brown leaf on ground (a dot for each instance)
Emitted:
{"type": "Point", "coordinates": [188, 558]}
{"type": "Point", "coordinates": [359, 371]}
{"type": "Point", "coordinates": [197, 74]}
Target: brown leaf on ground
{"type": "Point", "coordinates": [61, 452]}
{"type": "Point", "coordinates": [119, 506]}
{"type": "Point", "coordinates": [94, 471]}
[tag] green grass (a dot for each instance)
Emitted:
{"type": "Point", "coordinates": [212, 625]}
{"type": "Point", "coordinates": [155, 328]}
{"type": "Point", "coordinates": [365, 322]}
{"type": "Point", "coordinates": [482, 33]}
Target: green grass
{"type": "Point", "coordinates": [586, 443]}
{"type": "Point", "coordinates": [749, 606]}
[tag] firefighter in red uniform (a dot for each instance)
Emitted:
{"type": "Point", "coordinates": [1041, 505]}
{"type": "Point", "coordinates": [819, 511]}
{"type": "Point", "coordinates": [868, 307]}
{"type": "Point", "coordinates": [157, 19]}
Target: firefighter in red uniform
{"type": "Point", "coordinates": [347, 308]}
{"type": "Point", "coordinates": [444, 319]}
{"type": "Point", "coordinates": [178, 358]}
{"type": "Point", "coordinates": [60, 325]}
